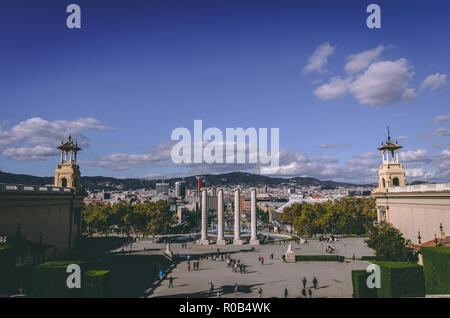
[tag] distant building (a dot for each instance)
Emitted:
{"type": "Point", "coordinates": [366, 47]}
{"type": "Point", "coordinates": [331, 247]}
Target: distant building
{"type": "Point", "coordinates": [199, 185]}
{"type": "Point", "coordinates": [359, 193]}
{"type": "Point", "coordinates": [418, 211]}
{"type": "Point", "coordinates": [180, 189]}
{"type": "Point", "coordinates": [162, 189]}
{"type": "Point", "coordinates": [182, 214]}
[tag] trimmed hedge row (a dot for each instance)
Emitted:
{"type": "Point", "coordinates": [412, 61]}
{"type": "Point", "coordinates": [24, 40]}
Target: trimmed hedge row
{"type": "Point", "coordinates": [319, 258]}
{"type": "Point", "coordinates": [359, 282]}
{"type": "Point", "coordinates": [436, 265]}
{"type": "Point", "coordinates": [397, 279]}
{"type": "Point", "coordinates": [368, 258]}
{"type": "Point", "coordinates": [401, 279]}
{"type": "Point", "coordinates": [96, 284]}
{"type": "Point", "coordinates": [50, 281]}
{"type": "Point", "coordinates": [7, 266]}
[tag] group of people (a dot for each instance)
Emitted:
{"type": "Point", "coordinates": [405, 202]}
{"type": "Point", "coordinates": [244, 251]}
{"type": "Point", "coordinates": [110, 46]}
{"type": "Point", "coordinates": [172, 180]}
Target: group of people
{"type": "Point", "coordinates": [330, 249]}
{"type": "Point", "coordinates": [261, 260]}
{"type": "Point", "coordinates": [195, 265]}
{"type": "Point", "coordinates": [304, 290]}
{"type": "Point", "coordinates": [236, 265]}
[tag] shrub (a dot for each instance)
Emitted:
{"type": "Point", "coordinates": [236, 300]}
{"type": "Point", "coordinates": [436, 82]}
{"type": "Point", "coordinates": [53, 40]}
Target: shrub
{"type": "Point", "coordinates": [359, 282]}
{"type": "Point", "coordinates": [368, 258]}
{"type": "Point", "coordinates": [96, 284]}
{"type": "Point", "coordinates": [401, 279]}
{"type": "Point", "coordinates": [436, 265]}
{"type": "Point", "coordinates": [49, 280]}
{"type": "Point", "coordinates": [7, 263]}
{"type": "Point", "coordinates": [319, 258]}
{"type": "Point", "coordinates": [23, 277]}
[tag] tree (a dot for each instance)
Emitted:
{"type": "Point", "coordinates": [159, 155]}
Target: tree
{"type": "Point", "coordinates": [263, 216]}
{"type": "Point", "coordinates": [291, 212]}
{"type": "Point", "coordinates": [160, 217]}
{"type": "Point", "coordinates": [389, 244]}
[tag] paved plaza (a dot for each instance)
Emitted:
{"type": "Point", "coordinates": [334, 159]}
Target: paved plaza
{"type": "Point", "coordinates": [273, 277]}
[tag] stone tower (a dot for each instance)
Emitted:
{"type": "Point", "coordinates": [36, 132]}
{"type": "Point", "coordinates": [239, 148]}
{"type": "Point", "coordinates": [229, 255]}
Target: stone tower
{"type": "Point", "coordinates": [67, 173]}
{"type": "Point", "coordinates": [391, 173]}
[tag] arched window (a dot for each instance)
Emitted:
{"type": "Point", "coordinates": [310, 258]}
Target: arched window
{"type": "Point", "coordinates": [64, 182]}
{"type": "Point", "coordinates": [395, 182]}
{"type": "Point", "coordinates": [384, 183]}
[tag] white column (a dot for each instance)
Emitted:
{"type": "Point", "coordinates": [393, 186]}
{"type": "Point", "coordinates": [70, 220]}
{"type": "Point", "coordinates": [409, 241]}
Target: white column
{"type": "Point", "coordinates": [204, 238]}
{"type": "Point", "coordinates": [253, 239]}
{"type": "Point", "coordinates": [220, 238]}
{"type": "Point", "coordinates": [237, 218]}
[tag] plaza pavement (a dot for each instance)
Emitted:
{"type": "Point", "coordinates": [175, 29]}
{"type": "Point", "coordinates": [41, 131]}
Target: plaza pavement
{"type": "Point", "coordinates": [273, 277]}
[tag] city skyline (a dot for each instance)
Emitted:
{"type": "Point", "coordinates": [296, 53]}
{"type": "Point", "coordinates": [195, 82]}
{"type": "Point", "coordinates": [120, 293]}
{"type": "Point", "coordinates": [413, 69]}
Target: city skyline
{"type": "Point", "coordinates": [131, 75]}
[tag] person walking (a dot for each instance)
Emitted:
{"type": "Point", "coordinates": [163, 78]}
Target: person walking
{"type": "Point", "coordinates": [304, 282]}
{"type": "Point", "coordinates": [310, 292]}
{"type": "Point", "coordinates": [303, 293]}
{"type": "Point", "coordinates": [315, 282]}
{"type": "Point", "coordinates": [285, 292]}
{"type": "Point", "coordinates": [170, 281]}
{"type": "Point", "coordinates": [211, 289]}
{"type": "Point", "coordinates": [160, 274]}
{"type": "Point", "coordinates": [235, 289]}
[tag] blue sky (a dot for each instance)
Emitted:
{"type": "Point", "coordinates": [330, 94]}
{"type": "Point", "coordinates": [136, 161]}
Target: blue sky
{"type": "Point", "coordinates": [136, 70]}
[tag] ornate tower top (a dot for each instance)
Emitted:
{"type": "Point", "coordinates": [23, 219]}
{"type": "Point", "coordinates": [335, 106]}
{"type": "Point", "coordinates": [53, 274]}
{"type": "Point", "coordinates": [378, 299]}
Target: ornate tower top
{"type": "Point", "coordinates": [389, 145]}
{"type": "Point", "coordinates": [67, 173]}
{"type": "Point", "coordinates": [391, 173]}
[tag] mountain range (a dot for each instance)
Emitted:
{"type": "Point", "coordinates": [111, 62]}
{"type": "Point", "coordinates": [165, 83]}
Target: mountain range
{"type": "Point", "coordinates": [226, 179]}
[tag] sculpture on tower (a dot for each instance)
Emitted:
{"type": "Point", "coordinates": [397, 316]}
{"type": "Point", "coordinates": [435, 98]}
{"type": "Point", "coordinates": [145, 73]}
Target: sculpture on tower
{"type": "Point", "coordinates": [391, 173]}
{"type": "Point", "coordinates": [67, 173]}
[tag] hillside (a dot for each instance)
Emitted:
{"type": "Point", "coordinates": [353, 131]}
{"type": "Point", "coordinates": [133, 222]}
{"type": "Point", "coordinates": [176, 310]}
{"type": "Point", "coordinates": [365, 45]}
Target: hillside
{"type": "Point", "coordinates": [226, 179]}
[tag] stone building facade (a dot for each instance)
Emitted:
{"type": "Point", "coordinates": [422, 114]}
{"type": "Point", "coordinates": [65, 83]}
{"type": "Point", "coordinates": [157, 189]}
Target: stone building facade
{"type": "Point", "coordinates": [418, 211]}
{"type": "Point", "coordinates": [46, 215]}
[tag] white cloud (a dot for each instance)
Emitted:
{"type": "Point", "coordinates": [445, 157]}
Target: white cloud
{"type": "Point", "coordinates": [336, 88]}
{"type": "Point", "coordinates": [443, 132]}
{"type": "Point", "coordinates": [368, 155]}
{"type": "Point", "coordinates": [359, 62]}
{"type": "Point", "coordinates": [31, 153]}
{"type": "Point", "coordinates": [319, 59]}
{"type": "Point", "coordinates": [442, 119]}
{"type": "Point", "coordinates": [37, 138]}
{"type": "Point", "coordinates": [384, 83]}
{"type": "Point", "coordinates": [434, 81]}
{"type": "Point", "coordinates": [327, 146]}
{"type": "Point", "coordinates": [38, 131]}
{"type": "Point", "coordinates": [419, 155]}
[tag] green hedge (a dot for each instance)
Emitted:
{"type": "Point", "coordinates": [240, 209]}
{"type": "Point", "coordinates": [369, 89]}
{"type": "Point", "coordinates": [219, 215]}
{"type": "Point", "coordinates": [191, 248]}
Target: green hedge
{"type": "Point", "coordinates": [436, 265]}
{"type": "Point", "coordinates": [96, 284]}
{"type": "Point", "coordinates": [359, 282]}
{"type": "Point", "coordinates": [7, 267]}
{"type": "Point", "coordinates": [23, 277]}
{"type": "Point", "coordinates": [49, 280]}
{"type": "Point", "coordinates": [368, 258]}
{"type": "Point", "coordinates": [401, 279]}
{"type": "Point", "coordinates": [319, 258]}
